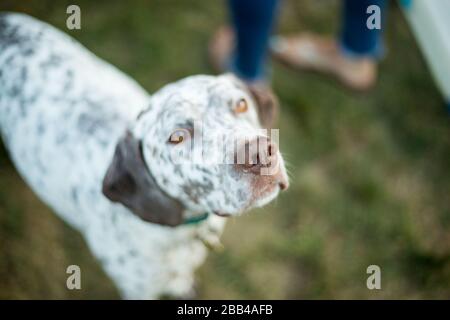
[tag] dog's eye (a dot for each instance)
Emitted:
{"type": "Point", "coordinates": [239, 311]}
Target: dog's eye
{"type": "Point", "coordinates": [241, 106]}
{"type": "Point", "coordinates": [179, 135]}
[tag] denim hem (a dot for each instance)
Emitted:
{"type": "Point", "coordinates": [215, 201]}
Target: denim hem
{"type": "Point", "coordinates": [260, 76]}
{"type": "Point", "coordinates": [377, 53]}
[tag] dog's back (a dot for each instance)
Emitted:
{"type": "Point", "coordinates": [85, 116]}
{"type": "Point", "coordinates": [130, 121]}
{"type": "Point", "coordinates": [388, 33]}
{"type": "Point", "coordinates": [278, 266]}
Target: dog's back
{"type": "Point", "coordinates": [59, 106]}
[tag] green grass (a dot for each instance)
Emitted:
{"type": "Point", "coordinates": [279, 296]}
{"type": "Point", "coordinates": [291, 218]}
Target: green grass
{"type": "Point", "coordinates": [370, 173]}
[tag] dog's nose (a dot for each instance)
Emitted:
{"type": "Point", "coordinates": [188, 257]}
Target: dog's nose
{"type": "Point", "coordinates": [283, 185]}
{"type": "Point", "coordinates": [257, 154]}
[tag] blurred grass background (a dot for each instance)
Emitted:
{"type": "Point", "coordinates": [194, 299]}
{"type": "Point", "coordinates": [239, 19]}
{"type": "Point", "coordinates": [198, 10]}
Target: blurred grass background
{"type": "Point", "coordinates": [370, 173]}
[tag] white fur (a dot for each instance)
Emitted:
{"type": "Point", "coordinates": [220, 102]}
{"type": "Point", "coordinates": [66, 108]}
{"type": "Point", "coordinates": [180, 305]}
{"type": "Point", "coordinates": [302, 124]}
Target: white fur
{"type": "Point", "coordinates": [62, 111]}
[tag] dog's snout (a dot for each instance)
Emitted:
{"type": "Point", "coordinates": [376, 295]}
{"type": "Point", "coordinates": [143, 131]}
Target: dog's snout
{"type": "Point", "coordinates": [257, 154]}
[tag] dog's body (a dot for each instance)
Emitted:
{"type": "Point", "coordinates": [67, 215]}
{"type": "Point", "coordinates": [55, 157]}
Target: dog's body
{"type": "Point", "coordinates": [61, 125]}
{"type": "Point", "coordinates": [63, 112]}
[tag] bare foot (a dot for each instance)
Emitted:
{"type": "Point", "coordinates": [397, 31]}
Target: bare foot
{"type": "Point", "coordinates": [320, 54]}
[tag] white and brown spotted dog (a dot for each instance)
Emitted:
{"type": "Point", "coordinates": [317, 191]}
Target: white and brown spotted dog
{"type": "Point", "coordinates": [98, 149]}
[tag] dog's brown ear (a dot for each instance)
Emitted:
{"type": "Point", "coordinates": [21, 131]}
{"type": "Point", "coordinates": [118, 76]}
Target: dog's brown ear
{"type": "Point", "coordinates": [129, 182]}
{"type": "Point", "coordinates": [267, 105]}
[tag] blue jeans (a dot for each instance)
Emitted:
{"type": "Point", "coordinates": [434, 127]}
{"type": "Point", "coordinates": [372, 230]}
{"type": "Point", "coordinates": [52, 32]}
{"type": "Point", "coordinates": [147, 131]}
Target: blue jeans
{"type": "Point", "coordinates": [356, 38]}
{"type": "Point", "coordinates": [253, 21]}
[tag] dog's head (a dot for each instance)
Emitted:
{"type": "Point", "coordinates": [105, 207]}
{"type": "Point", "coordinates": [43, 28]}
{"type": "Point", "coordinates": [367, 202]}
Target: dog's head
{"type": "Point", "coordinates": [198, 147]}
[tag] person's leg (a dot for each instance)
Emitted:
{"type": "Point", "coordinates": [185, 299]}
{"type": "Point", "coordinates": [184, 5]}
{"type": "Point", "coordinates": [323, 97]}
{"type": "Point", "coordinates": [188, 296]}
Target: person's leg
{"type": "Point", "coordinates": [252, 21]}
{"type": "Point", "coordinates": [351, 59]}
{"type": "Point", "coordinates": [243, 47]}
{"type": "Point", "coordinates": [357, 39]}
{"type": "Point", "coordinates": [243, 50]}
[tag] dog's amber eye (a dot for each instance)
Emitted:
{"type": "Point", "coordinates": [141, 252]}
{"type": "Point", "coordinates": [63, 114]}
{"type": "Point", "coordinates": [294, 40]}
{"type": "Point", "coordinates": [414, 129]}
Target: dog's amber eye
{"type": "Point", "coordinates": [241, 106]}
{"type": "Point", "coordinates": [179, 135]}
